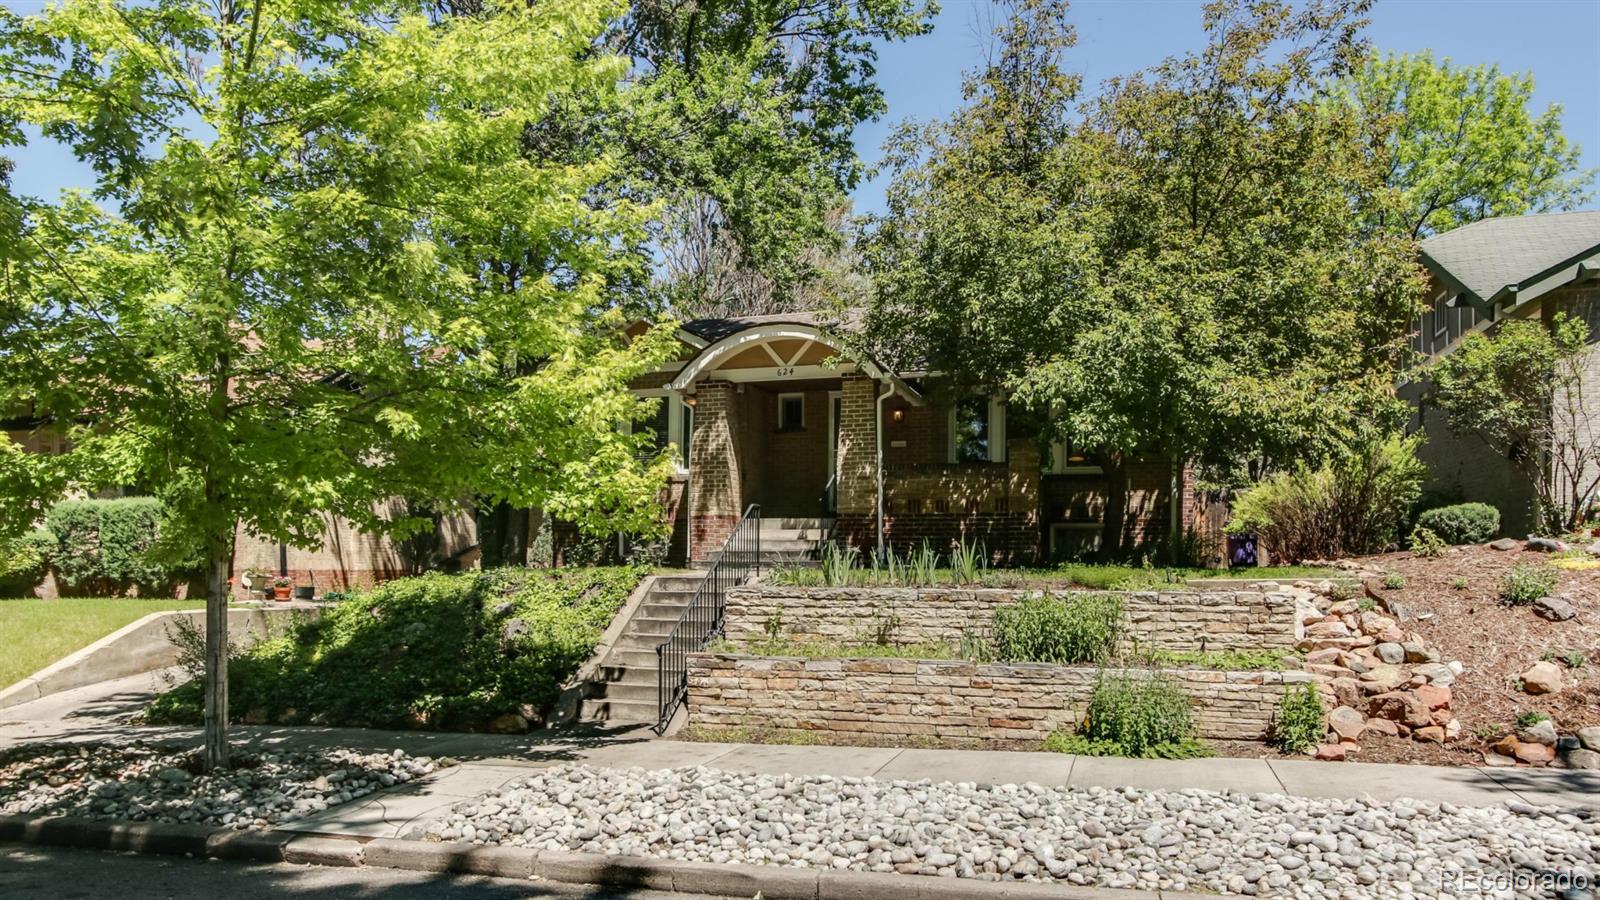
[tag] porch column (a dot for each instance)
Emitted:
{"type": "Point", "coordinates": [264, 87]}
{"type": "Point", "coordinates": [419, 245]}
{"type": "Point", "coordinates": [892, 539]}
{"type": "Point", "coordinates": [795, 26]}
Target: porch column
{"type": "Point", "coordinates": [857, 462]}
{"type": "Point", "coordinates": [714, 477]}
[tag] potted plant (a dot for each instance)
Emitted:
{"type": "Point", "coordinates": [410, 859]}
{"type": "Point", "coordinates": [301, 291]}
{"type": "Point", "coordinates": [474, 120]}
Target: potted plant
{"type": "Point", "coordinates": [281, 586]}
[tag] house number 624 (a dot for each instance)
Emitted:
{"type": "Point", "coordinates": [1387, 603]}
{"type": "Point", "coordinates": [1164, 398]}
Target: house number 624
{"type": "Point", "coordinates": [785, 371]}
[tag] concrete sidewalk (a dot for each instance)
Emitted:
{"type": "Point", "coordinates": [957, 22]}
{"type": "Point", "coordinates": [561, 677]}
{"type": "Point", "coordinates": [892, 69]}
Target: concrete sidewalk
{"type": "Point", "coordinates": [100, 713]}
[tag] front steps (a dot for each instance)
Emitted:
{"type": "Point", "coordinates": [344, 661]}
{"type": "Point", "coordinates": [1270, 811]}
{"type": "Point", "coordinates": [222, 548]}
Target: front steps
{"type": "Point", "coordinates": [625, 690]}
{"type": "Point", "coordinates": [788, 541]}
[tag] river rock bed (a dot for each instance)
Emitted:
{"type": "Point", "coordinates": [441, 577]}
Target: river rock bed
{"type": "Point", "coordinates": [1127, 838]}
{"type": "Point", "coordinates": [150, 784]}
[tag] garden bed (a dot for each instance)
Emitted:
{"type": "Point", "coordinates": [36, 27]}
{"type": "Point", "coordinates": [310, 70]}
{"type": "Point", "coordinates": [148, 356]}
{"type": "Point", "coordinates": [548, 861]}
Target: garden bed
{"type": "Point", "coordinates": [470, 652]}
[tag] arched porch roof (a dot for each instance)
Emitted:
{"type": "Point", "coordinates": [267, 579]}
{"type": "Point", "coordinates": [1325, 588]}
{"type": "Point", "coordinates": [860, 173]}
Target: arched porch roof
{"type": "Point", "coordinates": [791, 348]}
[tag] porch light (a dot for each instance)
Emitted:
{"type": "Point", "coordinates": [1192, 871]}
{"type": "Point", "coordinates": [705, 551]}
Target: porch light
{"type": "Point", "coordinates": [897, 414]}
{"type": "Point", "coordinates": [690, 399]}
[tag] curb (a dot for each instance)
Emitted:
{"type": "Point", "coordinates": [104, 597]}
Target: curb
{"type": "Point", "coordinates": [670, 875]}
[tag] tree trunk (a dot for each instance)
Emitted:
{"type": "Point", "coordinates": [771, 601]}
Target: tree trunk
{"type": "Point", "coordinates": [216, 714]}
{"type": "Point", "coordinates": [1116, 471]}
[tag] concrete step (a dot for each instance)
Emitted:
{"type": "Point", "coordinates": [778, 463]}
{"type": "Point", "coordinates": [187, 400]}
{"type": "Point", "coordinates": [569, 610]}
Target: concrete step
{"type": "Point", "coordinates": [654, 610]}
{"type": "Point", "coordinates": [678, 582]}
{"type": "Point", "coordinates": [813, 523]}
{"type": "Point", "coordinates": [641, 691]}
{"type": "Point", "coordinates": [623, 658]}
{"type": "Point", "coordinates": [616, 709]}
{"type": "Point", "coordinates": [610, 675]}
{"type": "Point", "coordinates": [681, 598]}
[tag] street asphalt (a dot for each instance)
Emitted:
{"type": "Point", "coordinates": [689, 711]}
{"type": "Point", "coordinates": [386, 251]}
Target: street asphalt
{"type": "Point", "coordinates": [56, 873]}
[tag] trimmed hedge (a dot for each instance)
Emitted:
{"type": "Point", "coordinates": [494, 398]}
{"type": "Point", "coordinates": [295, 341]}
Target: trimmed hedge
{"type": "Point", "coordinates": [1463, 523]}
{"type": "Point", "coordinates": [103, 546]}
{"type": "Point", "coordinates": [438, 651]}
{"type": "Point", "coordinates": [24, 561]}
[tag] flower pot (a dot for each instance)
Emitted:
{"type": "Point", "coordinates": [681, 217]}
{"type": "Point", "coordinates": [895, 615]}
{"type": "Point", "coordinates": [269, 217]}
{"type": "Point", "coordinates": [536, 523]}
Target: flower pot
{"type": "Point", "coordinates": [281, 593]}
{"type": "Point", "coordinates": [304, 591]}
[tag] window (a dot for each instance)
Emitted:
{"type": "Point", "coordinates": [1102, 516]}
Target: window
{"type": "Point", "coordinates": [977, 431]}
{"type": "Point", "coordinates": [671, 422]}
{"type": "Point", "coordinates": [1441, 319]}
{"type": "Point", "coordinates": [1067, 458]}
{"type": "Point", "coordinates": [791, 412]}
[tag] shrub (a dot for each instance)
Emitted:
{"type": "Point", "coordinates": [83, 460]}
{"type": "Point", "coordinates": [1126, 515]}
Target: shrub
{"type": "Point", "coordinates": [1426, 543]}
{"type": "Point", "coordinates": [1458, 583]}
{"type": "Point", "coordinates": [24, 561]}
{"type": "Point", "coordinates": [1300, 723]}
{"type": "Point", "coordinates": [1463, 523]}
{"type": "Point", "coordinates": [107, 546]}
{"type": "Point", "coordinates": [1394, 581]}
{"type": "Point", "coordinates": [1527, 582]}
{"type": "Point", "coordinates": [1531, 718]}
{"type": "Point", "coordinates": [436, 651]}
{"type": "Point", "coordinates": [1349, 506]}
{"type": "Point", "coordinates": [1058, 628]}
{"type": "Point", "coordinates": [1139, 716]}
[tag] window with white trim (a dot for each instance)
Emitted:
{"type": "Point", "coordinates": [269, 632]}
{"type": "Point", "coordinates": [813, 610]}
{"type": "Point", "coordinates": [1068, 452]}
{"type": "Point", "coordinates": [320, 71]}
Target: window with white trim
{"type": "Point", "coordinates": [671, 422]}
{"type": "Point", "coordinates": [977, 430]}
{"type": "Point", "coordinates": [791, 412]}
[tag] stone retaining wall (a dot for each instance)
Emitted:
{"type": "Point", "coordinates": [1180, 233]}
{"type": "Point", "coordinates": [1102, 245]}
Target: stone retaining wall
{"type": "Point", "coordinates": [1167, 620]}
{"type": "Point", "coordinates": [949, 699]}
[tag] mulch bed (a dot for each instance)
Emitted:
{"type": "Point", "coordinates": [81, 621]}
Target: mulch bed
{"type": "Point", "coordinates": [1496, 643]}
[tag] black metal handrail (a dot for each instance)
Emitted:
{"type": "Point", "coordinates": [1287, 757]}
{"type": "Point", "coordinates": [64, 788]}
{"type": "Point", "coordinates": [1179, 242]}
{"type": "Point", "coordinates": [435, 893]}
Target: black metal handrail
{"type": "Point", "coordinates": [702, 621]}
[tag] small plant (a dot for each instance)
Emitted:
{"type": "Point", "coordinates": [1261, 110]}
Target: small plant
{"type": "Point", "coordinates": [1488, 733]}
{"type": "Point", "coordinates": [968, 563]}
{"type": "Point", "coordinates": [1575, 659]}
{"type": "Point", "coordinates": [1394, 581]}
{"type": "Point", "coordinates": [1072, 628]}
{"type": "Point", "coordinates": [1340, 591]}
{"type": "Point", "coordinates": [773, 626]}
{"type": "Point", "coordinates": [922, 566]}
{"type": "Point", "coordinates": [1458, 583]}
{"type": "Point", "coordinates": [1547, 656]}
{"type": "Point", "coordinates": [1527, 582]}
{"type": "Point", "coordinates": [282, 581]}
{"type": "Point", "coordinates": [1301, 719]}
{"type": "Point", "coordinates": [884, 624]}
{"type": "Point", "coordinates": [1140, 716]}
{"type": "Point", "coordinates": [838, 564]}
{"type": "Point", "coordinates": [1426, 543]}
{"type": "Point", "coordinates": [1530, 718]}
{"type": "Point", "coordinates": [1366, 604]}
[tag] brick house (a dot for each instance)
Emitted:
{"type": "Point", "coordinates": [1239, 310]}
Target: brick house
{"type": "Point", "coordinates": [1482, 275]}
{"type": "Point", "coordinates": [772, 410]}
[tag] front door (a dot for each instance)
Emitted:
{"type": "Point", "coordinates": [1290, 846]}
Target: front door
{"type": "Point", "coordinates": [835, 402]}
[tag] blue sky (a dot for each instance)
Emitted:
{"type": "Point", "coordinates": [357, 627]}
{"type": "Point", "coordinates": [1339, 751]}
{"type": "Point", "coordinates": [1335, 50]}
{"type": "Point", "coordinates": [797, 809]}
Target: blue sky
{"type": "Point", "coordinates": [1553, 39]}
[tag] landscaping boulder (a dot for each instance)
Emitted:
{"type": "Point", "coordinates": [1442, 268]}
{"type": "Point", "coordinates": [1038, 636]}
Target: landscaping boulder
{"type": "Point", "coordinates": [1334, 629]}
{"type": "Point", "coordinates": [1434, 696]}
{"type": "Point", "coordinates": [1417, 652]}
{"type": "Point", "coordinates": [1346, 723]}
{"type": "Point", "coordinates": [1441, 675]}
{"type": "Point", "coordinates": [1581, 759]}
{"type": "Point", "coordinates": [1540, 732]}
{"type": "Point", "coordinates": [1590, 737]}
{"type": "Point", "coordinates": [1491, 758]}
{"type": "Point", "coordinates": [1346, 691]}
{"type": "Point", "coordinates": [1331, 752]}
{"type": "Point", "coordinates": [1545, 545]}
{"type": "Point", "coordinates": [1391, 653]}
{"type": "Point", "coordinates": [1382, 679]}
{"type": "Point", "coordinates": [1402, 707]}
{"type": "Point", "coordinates": [1542, 678]}
{"type": "Point", "coordinates": [1556, 609]}
{"type": "Point", "coordinates": [1380, 728]}
{"type": "Point", "coordinates": [1429, 734]}
{"type": "Point", "coordinates": [1503, 544]}
{"type": "Point", "coordinates": [1534, 754]}
{"type": "Point", "coordinates": [510, 723]}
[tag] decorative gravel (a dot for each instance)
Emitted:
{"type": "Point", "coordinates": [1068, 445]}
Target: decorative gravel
{"type": "Point", "coordinates": [1179, 840]}
{"type": "Point", "coordinates": [149, 784]}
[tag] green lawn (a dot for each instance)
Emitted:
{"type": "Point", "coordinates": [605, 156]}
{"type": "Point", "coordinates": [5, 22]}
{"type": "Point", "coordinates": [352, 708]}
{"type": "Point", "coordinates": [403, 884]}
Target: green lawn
{"type": "Point", "coordinates": [36, 633]}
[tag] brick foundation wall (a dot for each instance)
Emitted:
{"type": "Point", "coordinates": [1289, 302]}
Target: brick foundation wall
{"type": "Point", "coordinates": [948, 699]}
{"type": "Point", "coordinates": [1176, 620]}
{"type": "Point", "coordinates": [348, 558]}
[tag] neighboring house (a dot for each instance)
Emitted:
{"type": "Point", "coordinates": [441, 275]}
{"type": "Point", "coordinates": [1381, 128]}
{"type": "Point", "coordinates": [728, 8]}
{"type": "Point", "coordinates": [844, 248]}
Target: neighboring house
{"type": "Point", "coordinates": [771, 410]}
{"type": "Point", "coordinates": [1484, 274]}
{"type": "Point", "coordinates": [347, 559]}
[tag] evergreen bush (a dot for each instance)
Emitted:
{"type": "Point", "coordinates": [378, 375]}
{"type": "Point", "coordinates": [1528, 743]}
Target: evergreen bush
{"type": "Point", "coordinates": [108, 546]}
{"type": "Point", "coordinates": [1463, 523]}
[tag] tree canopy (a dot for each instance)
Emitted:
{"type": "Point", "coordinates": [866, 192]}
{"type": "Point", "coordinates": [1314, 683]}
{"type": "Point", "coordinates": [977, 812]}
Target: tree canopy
{"type": "Point", "coordinates": [319, 267]}
{"type": "Point", "coordinates": [1174, 267]}
{"type": "Point", "coordinates": [1463, 143]}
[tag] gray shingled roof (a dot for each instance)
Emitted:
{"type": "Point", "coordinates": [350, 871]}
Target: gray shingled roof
{"type": "Point", "coordinates": [1486, 256]}
{"type": "Point", "coordinates": [713, 330]}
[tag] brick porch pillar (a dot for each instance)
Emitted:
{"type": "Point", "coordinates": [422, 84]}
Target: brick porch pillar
{"type": "Point", "coordinates": [857, 462]}
{"type": "Point", "coordinates": [714, 477]}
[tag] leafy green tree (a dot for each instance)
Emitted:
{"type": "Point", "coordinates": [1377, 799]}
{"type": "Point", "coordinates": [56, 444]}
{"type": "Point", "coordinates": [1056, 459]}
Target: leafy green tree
{"type": "Point", "coordinates": [1177, 272]}
{"type": "Point", "coordinates": [1462, 143]}
{"type": "Point", "coordinates": [1522, 391]}
{"type": "Point", "coordinates": [276, 305]}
